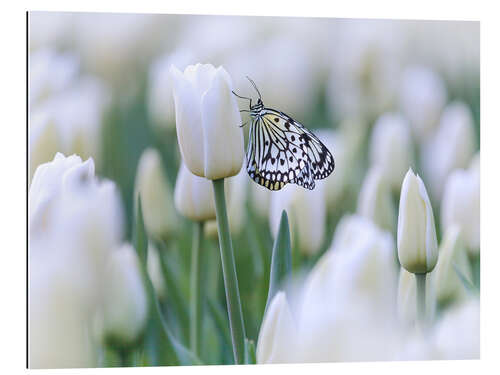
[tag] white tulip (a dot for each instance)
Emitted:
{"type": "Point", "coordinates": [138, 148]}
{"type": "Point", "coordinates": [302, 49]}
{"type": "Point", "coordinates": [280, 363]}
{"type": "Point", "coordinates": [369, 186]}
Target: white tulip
{"type": "Point", "coordinates": [125, 303]}
{"type": "Point", "coordinates": [44, 140]}
{"type": "Point", "coordinates": [456, 335]}
{"type": "Point", "coordinates": [151, 183]}
{"type": "Point", "coordinates": [460, 206]}
{"type": "Point", "coordinates": [194, 196]}
{"type": "Point", "coordinates": [375, 201]}
{"type": "Point", "coordinates": [207, 121]}
{"type": "Point", "coordinates": [452, 259]}
{"type": "Point", "coordinates": [422, 97]}
{"type": "Point", "coordinates": [155, 271]}
{"type": "Point", "coordinates": [306, 213]}
{"type": "Point", "coordinates": [277, 333]}
{"type": "Point", "coordinates": [451, 147]}
{"type": "Point", "coordinates": [391, 148]}
{"type": "Point", "coordinates": [161, 96]}
{"type": "Point", "coordinates": [417, 242]}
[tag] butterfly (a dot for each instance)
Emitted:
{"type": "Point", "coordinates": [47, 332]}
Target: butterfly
{"type": "Point", "coordinates": [282, 151]}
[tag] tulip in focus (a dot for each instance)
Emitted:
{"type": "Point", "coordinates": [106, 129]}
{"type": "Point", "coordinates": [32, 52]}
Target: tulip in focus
{"type": "Point", "coordinates": [417, 242]}
{"type": "Point", "coordinates": [156, 196]}
{"type": "Point", "coordinates": [208, 121]}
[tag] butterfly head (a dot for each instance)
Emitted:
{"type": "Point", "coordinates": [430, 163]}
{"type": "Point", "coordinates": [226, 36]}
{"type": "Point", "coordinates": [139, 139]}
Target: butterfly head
{"type": "Point", "coordinates": [256, 108]}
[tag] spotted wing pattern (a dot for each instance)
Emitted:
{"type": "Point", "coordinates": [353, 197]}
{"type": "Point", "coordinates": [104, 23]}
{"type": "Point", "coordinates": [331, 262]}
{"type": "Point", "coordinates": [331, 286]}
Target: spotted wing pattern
{"type": "Point", "coordinates": [281, 151]}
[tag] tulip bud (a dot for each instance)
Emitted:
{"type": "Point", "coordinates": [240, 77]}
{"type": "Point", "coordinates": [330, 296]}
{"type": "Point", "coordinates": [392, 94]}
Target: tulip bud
{"type": "Point", "coordinates": [452, 259]}
{"type": "Point", "coordinates": [194, 196]}
{"type": "Point", "coordinates": [460, 206]}
{"type": "Point", "coordinates": [391, 148]}
{"type": "Point", "coordinates": [208, 121]}
{"type": "Point", "coordinates": [375, 201]}
{"type": "Point", "coordinates": [125, 303]}
{"type": "Point", "coordinates": [422, 97]}
{"type": "Point", "coordinates": [156, 196]}
{"type": "Point", "coordinates": [417, 242]}
{"type": "Point", "coordinates": [451, 147]}
{"type": "Point", "coordinates": [155, 272]}
{"type": "Point", "coordinates": [277, 332]}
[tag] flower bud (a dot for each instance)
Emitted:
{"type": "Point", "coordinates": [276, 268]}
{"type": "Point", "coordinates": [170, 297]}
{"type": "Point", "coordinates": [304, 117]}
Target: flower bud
{"type": "Point", "coordinates": [391, 148]}
{"type": "Point", "coordinates": [375, 201]}
{"type": "Point", "coordinates": [460, 206]}
{"type": "Point", "coordinates": [277, 332]}
{"type": "Point", "coordinates": [156, 197]}
{"type": "Point", "coordinates": [155, 271]}
{"type": "Point", "coordinates": [417, 242]}
{"type": "Point", "coordinates": [125, 303]}
{"type": "Point", "coordinates": [208, 121]}
{"type": "Point", "coordinates": [452, 259]}
{"type": "Point", "coordinates": [194, 196]}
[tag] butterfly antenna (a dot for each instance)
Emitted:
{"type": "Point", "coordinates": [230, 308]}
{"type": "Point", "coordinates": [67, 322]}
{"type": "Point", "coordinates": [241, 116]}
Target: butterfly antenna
{"type": "Point", "coordinates": [255, 86]}
{"type": "Point", "coordinates": [241, 97]}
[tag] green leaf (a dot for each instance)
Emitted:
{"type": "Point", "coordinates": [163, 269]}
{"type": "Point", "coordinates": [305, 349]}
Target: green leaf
{"type": "Point", "coordinates": [250, 357]}
{"type": "Point", "coordinates": [471, 288]}
{"type": "Point", "coordinates": [281, 263]}
{"type": "Point", "coordinates": [140, 235]}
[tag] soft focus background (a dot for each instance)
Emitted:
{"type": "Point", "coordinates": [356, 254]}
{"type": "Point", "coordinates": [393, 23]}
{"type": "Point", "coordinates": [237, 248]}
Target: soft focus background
{"type": "Point", "coordinates": [383, 95]}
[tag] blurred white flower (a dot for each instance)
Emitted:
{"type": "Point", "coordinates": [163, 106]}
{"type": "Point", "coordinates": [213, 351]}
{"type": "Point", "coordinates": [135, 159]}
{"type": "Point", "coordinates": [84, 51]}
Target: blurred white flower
{"type": "Point", "coordinates": [161, 95]}
{"type": "Point", "coordinates": [460, 206]}
{"type": "Point", "coordinates": [155, 271]}
{"type": "Point", "coordinates": [452, 259]}
{"type": "Point", "coordinates": [151, 183]}
{"type": "Point", "coordinates": [50, 73]}
{"type": "Point", "coordinates": [417, 241]}
{"type": "Point", "coordinates": [261, 199]}
{"type": "Point", "coordinates": [194, 196]}
{"type": "Point", "coordinates": [125, 304]}
{"type": "Point", "coordinates": [375, 201]}
{"type": "Point", "coordinates": [306, 213]}
{"type": "Point", "coordinates": [456, 335]}
{"type": "Point", "coordinates": [277, 333]}
{"type": "Point", "coordinates": [44, 140]}
{"type": "Point", "coordinates": [451, 147]}
{"type": "Point", "coordinates": [391, 148]}
{"type": "Point", "coordinates": [208, 121]}
{"type": "Point", "coordinates": [422, 96]}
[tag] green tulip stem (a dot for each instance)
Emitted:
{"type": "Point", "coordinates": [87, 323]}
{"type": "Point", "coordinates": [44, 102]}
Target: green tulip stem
{"type": "Point", "coordinates": [196, 298]}
{"type": "Point", "coordinates": [234, 310]}
{"type": "Point", "coordinates": [421, 314]}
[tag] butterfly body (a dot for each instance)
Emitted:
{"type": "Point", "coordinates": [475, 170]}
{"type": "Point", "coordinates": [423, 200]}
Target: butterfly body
{"type": "Point", "coordinates": [281, 151]}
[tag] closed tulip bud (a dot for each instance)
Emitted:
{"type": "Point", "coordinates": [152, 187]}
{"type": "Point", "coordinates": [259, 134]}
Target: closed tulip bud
{"type": "Point", "coordinates": [422, 97]}
{"type": "Point", "coordinates": [452, 259]}
{"type": "Point", "coordinates": [194, 196]}
{"type": "Point", "coordinates": [460, 206]}
{"type": "Point", "coordinates": [208, 121]}
{"type": "Point", "coordinates": [277, 332]}
{"type": "Point", "coordinates": [156, 196]}
{"type": "Point", "coordinates": [391, 148]}
{"type": "Point", "coordinates": [451, 147]}
{"type": "Point", "coordinates": [375, 201]}
{"type": "Point", "coordinates": [125, 304]}
{"type": "Point", "coordinates": [417, 242]}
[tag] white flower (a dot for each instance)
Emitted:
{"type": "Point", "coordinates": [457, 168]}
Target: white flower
{"type": "Point", "coordinates": [375, 201]}
{"type": "Point", "coordinates": [161, 96]}
{"type": "Point", "coordinates": [451, 147]}
{"type": "Point", "coordinates": [277, 333]}
{"type": "Point", "coordinates": [194, 196]}
{"type": "Point", "coordinates": [155, 271]}
{"type": "Point", "coordinates": [306, 212]}
{"type": "Point", "coordinates": [422, 97]}
{"type": "Point", "coordinates": [208, 121]}
{"type": "Point", "coordinates": [417, 242]}
{"type": "Point", "coordinates": [44, 140]}
{"type": "Point", "coordinates": [460, 206]}
{"type": "Point", "coordinates": [452, 259]}
{"type": "Point", "coordinates": [391, 148]}
{"type": "Point", "coordinates": [156, 196]}
{"type": "Point", "coordinates": [456, 335]}
{"type": "Point", "coordinates": [125, 304]}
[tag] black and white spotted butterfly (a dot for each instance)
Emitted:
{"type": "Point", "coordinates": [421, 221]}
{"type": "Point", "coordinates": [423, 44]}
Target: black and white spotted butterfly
{"type": "Point", "coordinates": [281, 150]}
